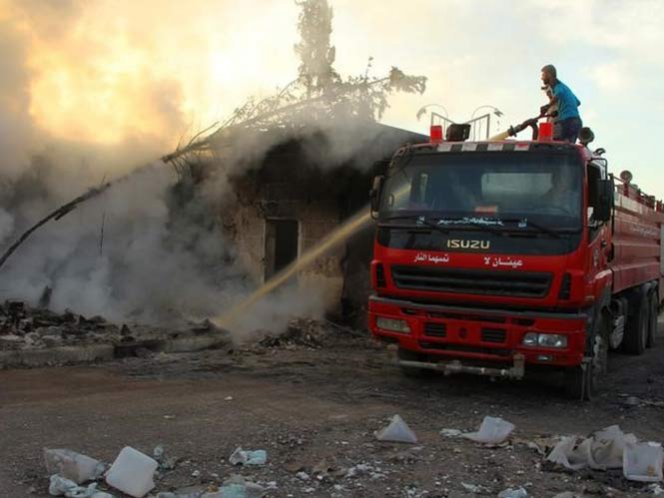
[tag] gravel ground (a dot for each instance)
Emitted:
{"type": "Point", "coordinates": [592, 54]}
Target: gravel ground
{"type": "Point", "coordinates": [313, 400]}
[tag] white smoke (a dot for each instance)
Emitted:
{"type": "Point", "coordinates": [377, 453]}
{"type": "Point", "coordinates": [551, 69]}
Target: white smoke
{"type": "Point", "coordinates": [126, 254]}
{"type": "Point", "coordinates": [6, 225]}
{"type": "Point", "coordinates": [150, 248]}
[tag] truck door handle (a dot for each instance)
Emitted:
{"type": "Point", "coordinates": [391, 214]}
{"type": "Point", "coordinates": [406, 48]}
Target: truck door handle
{"type": "Point", "coordinates": [604, 243]}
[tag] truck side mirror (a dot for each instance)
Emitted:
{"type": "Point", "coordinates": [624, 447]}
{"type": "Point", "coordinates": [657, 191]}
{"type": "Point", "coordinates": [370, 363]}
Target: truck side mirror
{"type": "Point", "coordinates": [375, 193]}
{"type": "Point", "coordinates": [605, 202]}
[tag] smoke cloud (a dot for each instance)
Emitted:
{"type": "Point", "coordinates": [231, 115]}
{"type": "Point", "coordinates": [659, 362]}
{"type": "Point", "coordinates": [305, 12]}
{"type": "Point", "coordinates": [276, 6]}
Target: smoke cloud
{"type": "Point", "coordinates": [88, 97]}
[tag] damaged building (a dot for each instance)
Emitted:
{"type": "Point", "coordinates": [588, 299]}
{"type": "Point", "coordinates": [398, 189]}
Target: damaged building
{"type": "Point", "coordinates": [291, 201]}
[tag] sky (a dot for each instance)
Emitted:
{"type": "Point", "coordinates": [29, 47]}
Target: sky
{"type": "Point", "coordinates": [140, 75]}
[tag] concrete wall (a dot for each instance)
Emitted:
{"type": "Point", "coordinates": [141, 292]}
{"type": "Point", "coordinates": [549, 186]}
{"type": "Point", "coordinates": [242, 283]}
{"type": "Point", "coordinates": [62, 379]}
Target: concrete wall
{"type": "Point", "coordinates": [245, 224]}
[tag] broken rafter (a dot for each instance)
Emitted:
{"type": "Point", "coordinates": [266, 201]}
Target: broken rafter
{"type": "Point", "coordinates": [59, 213]}
{"type": "Point", "coordinates": [202, 144]}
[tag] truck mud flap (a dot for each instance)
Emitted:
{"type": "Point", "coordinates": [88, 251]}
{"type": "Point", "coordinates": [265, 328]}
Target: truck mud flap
{"type": "Point", "coordinates": [517, 371]}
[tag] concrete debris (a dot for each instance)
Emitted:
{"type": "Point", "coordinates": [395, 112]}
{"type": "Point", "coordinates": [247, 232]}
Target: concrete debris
{"type": "Point", "coordinates": [604, 450]}
{"type": "Point", "coordinates": [22, 327]}
{"type": "Point", "coordinates": [165, 461]}
{"type": "Point", "coordinates": [492, 431]}
{"type": "Point", "coordinates": [568, 494]}
{"type": "Point", "coordinates": [188, 492]}
{"type": "Point", "coordinates": [656, 489]}
{"type": "Point", "coordinates": [73, 466]}
{"type": "Point", "coordinates": [643, 462]}
{"type": "Point", "coordinates": [242, 457]}
{"type": "Point", "coordinates": [302, 476]}
{"type": "Point", "coordinates": [132, 473]}
{"type": "Point", "coordinates": [633, 401]}
{"type": "Point", "coordinates": [451, 432]}
{"type": "Point", "coordinates": [307, 333]}
{"type": "Point", "coordinates": [474, 488]}
{"type": "Point", "coordinates": [60, 486]}
{"type": "Point", "coordinates": [513, 493]}
{"type": "Point", "coordinates": [541, 445]}
{"type": "Point", "coordinates": [397, 432]}
{"type": "Point", "coordinates": [238, 487]}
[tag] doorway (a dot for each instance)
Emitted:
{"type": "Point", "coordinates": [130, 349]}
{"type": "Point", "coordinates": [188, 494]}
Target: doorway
{"type": "Point", "coordinates": [281, 245]}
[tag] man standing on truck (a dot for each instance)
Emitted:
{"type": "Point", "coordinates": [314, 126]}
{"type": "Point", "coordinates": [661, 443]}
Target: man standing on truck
{"type": "Point", "coordinates": [567, 124]}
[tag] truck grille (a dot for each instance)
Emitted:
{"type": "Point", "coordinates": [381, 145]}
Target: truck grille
{"type": "Point", "coordinates": [494, 335]}
{"type": "Point", "coordinates": [487, 282]}
{"type": "Point", "coordinates": [433, 329]}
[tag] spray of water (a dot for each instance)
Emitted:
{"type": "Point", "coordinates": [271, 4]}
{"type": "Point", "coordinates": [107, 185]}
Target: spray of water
{"type": "Point", "coordinates": [352, 226]}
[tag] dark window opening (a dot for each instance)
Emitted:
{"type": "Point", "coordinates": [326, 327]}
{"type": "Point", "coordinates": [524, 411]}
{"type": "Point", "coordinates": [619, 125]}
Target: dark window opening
{"type": "Point", "coordinates": [281, 245]}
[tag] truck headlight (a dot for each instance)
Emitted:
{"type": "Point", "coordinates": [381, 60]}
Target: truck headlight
{"type": "Point", "coordinates": [557, 341]}
{"type": "Point", "coordinates": [393, 324]}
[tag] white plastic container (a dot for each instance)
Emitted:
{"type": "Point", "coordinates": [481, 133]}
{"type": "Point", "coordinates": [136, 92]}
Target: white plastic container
{"type": "Point", "coordinates": [397, 432]}
{"type": "Point", "coordinates": [132, 473]}
{"type": "Point", "coordinates": [643, 462]}
{"type": "Point", "coordinates": [493, 430]}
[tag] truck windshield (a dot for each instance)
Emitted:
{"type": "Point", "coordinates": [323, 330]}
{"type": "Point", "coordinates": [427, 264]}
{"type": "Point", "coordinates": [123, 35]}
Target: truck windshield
{"type": "Point", "coordinates": [487, 188]}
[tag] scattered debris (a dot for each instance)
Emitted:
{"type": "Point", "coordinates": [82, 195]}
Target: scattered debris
{"type": "Point", "coordinates": [132, 472]}
{"type": "Point", "coordinates": [60, 486]}
{"type": "Point", "coordinates": [22, 327]}
{"type": "Point", "coordinates": [451, 432]}
{"type": "Point", "coordinates": [634, 401]}
{"type": "Point", "coordinates": [541, 445]}
{"type": "Point", "coordinates": [513, 493]}
{"type": "Point", "coordinates": [603, 450]}
{"type": "Point", "coordinates": [643, 462]}
{"type": "Point", "coordinates": [165, 461]}
{"type": "Point", "coordinates": [656, 489]}
{"type": "Point", "coordinates": [73, 466]}
{"type": "Point", "coordinates": [238, 487]}
{"type": "Point", "coordinates": [242, 457]}
{"type": "Point", "coordinates": [492, 431]}
{"type": "Point", "coordinates": [397, 432]}
{"type": "Point", "coordinates": [474, 488]}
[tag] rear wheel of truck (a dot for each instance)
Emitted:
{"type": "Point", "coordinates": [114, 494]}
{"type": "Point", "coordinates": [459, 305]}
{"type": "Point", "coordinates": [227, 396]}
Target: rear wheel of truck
{"type": "Point", "coordinates": [412, 372]}
{"type": "Point", "coordinates": [652, 322]}
{"type": "Point", "coordinates": [636, 329]}
{"type": "Point", "coordinates": [583, 382]}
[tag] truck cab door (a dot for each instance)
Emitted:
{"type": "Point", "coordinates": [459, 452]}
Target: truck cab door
{"type": "Point", "coordinates": [599, 227]}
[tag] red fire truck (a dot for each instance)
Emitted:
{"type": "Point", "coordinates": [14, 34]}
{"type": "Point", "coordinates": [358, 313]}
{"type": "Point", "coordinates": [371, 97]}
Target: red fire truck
{"type": "Point", "coordinates": [499, 257]}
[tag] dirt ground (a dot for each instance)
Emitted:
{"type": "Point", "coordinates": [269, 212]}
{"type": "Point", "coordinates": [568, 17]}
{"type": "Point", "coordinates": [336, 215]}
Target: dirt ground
{"type": "Point", "coordinates": [314, 408]}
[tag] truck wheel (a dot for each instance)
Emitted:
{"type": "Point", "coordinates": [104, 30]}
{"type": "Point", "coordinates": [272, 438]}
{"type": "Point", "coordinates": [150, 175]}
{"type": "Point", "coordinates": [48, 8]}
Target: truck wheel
{"type": "Point", "coordinates": [412, 372]}
{"type": "Point", "coordinates": [583, 382]}
{"type": "Point", "coordinates": [652, 322]}
{"type": "Point", "coordinates": [636, 329]}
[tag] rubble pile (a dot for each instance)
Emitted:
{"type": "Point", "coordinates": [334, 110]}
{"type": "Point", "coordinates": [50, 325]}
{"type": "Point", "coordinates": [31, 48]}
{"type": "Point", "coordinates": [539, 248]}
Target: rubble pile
{"type": "Point", "coordinates": [23, 327]}
{"type": "Point", "coordinates": [308, 333]}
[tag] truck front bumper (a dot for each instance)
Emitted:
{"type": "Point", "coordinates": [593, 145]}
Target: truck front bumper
{"type": "Point", "coordinates": [482, 341]}
{"type": "Point", "coordinates": [517, 371]}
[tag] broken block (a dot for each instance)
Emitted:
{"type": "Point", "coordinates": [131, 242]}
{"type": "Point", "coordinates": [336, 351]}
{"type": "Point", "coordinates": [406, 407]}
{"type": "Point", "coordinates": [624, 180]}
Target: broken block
{"type": "Point", "coordinates": [73, 466]}
{"type": "Point", "coordinates": [132, 472]}
{"type": "Point", "coordinates": [242, 457]}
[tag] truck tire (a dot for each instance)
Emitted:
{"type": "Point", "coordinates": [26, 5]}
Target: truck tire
{"type": "Point", "coordinates": [584, 381]}
{"type": "Point", "coordinates": [652, 322]}
{"type": "Point", "coordinates": [636, 329]}
{"type": "Point", "coordinates": [411, 372]}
